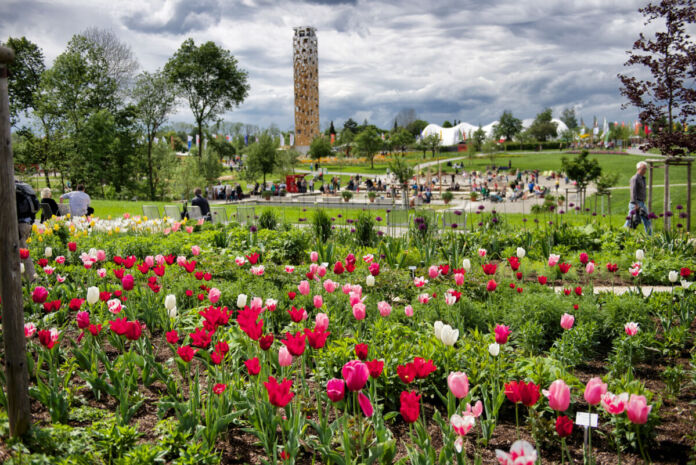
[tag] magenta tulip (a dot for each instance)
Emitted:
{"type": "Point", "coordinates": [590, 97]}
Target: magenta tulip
{"type": "Point", "coordinates": [365, 405]}
{"type": "Point", "coordinates": [335, 389]}
{"type": "Point", "coordinates": [356, 374]}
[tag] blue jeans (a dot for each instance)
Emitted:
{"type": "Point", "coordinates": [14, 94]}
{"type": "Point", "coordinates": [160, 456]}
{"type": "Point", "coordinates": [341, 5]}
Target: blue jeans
{"type": "Point", "coordinates": [646, 221]}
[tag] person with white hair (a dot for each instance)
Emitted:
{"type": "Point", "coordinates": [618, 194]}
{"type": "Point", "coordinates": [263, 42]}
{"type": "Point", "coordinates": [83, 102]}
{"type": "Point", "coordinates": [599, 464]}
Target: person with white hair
{"type": "Point", "coordinates": [637, 211]}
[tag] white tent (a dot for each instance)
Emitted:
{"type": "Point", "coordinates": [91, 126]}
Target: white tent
{"type": "Point", "coordinates": [453, 135]}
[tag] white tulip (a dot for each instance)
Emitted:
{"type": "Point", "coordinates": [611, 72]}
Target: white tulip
{"type": "Point", "coordinates": [241, 300]}
{"type": "Point", "coordinates": [48, 252]}
{"type": "Point", "coordinates": [640, 255]}
{"type": "Point", "coordinates": [370, 280]}
{"type": "Point", "coordinates": [685, 284]}
{"type": "Point", "coordinates": [449, 336]}
{"type": "Point", "coordinates": [170, 302]}
{"type": "Point", "coordinates": [172, 312]}
{"type": "Point", "coordinates": [92, 295]}
{"type": "Point", "coordinates": [21, 267]}
{"type": "Point", "coordinates": [437, 327]}
{"type": "Point", "coordinates": [494, 349]}
{"type": "Point", "coordinates": [673, 276]}
{"type": "Point", "coordinates": [466, 264]}
{"type": "Point", "coordinates": [450, 299]}
{"type": "Point", "coordinates": [521, 253]}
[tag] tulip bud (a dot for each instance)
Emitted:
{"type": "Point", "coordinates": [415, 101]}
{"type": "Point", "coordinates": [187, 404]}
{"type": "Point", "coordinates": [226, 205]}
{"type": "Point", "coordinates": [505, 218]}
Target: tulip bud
{"type": "Point", "coordinates": [48, 252]}
{"type": "Point", "coordinates": [521, 253]}
{"type": "Point", "coordinates": [241, 300]}
{"type": "Point", "coordinates": [170, 302]}
{"type": "Point", "coordinates": [494, 349]}
{"type": "Point", "coordinates": [673, 276]}
{"type": "Point", "coordinates": [370, 281]}
{"type": "Point", "coordinates": [640, 255]}
{"type": "Point", "coordinates": [466, 264]}
{"type": "Point", "coordinates": [92, 295]}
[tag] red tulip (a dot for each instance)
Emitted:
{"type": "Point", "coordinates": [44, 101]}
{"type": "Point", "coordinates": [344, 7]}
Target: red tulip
{"type": "Point", "coordinates": [564, 267]}
{"type": "Point", "coordinates": [172, 337]}
{"type": "Point", "coordinates": [410, 406]}
{"type": "Point", "coordinates": [514, 263]}
{"type": "Point", "coordinates": [521, 392]}
{"type": "Point", "coordinates": [502, 333]}
{"type": "Point", "coordinates": [23, 254]}
{"type": "Point", "coordinates": [39, 295]}
{"type": "Point", "coordinates": [375, 367]}
{"type": "Point", "coordinates": [361, 351]}
{"type": "Point", "coordinates": [295, 343]}
{"type": "Point", "coordinates": [266, 341]}
{"type": "Point", "coordinates": [279, 394]}
{"type": "Point", "coordinates": [542, 280]}
{"type": "Point", "coordinates": [316, 338]}
{"type": "Point", "coordinates": [564, 426]}
{"type": "Point", "coordinates": [72, 246]}
{"type": "Point", "coordinates": [127, 282]}
{"type": "Point", "coordinates": [584, 258]}
{"type": "Point", "coordinates": [490, 287]}
{"type": "Point", "coordinates": [186, 353]}
{"type": "Point", "coordinates": [489, 268]}
{"type": "Point", "coordinates": [253, 366]}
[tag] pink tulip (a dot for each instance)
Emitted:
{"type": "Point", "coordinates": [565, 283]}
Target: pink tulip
{"type": "Point", "coordinates": [321, 322]}
{"type": "Point", "coordinates": [354, 298]}
{"type": "Point", "coordinates": [567, 321]}
{"type": "Point", "coordinates": [318, 301]}
{"type": "Point", "coordinates": [614, 404]}
{"type": "Point", "coordinates": [195, 250]}
{"type": "Point", "coordinates": [256, 304]}
{"type": "Point", "coordinates": [284, 357]}
{"type": "Point", "coordinates": [359, 311]}
{"type": "Point", "coordinates": [477, 410]}
{"type": "Point", "coordinates": [462, 424]}
{"type": "Point", "coordinates": [558, 395]}
{"type": "Point", "coordinates": [424, 298]}
{"type": "Point", "coordinates": [159, 258]}
{"type": "Point", "coordinates": [356, 374]}
{"type": "Point", "coordinates": [101, 255]}
{"type": "Point", "coordinates": [521, 453]}
{"type": "Point", "coordinates": [303, 287]}
{"type": "Point", "coordinates": [346, 288]}
{"type": "Point", "coordinates": [433, 272]}
{"type": "Point", "coordinates": [589, 268]}
{"type": "Point", "coordinates": [594, 390]}
{"type": "Point", "coordinates": [384, 308]}
{"type": "Point", "coordinates": [189, 229]}
{"type": "Point", "coordinates": [271, 304]}
{"type": "Point", "coordinates": [149, 261]}
{"type": "Point", "coordinates": [82, 319]}
{"type": "Point", "coordinates": [482, 252]}
{"type": "Point", "coordinates": [502, 333]}
{"type": "Point", "coordinates": [335, 389]}
{"type": "Point", "coordinates": [214, 295]}
{"type": "Point", "coordinates": [321, 271]}
{"type": "Point", "coordinates": [553, 259]}
{"type": "Point", "coordinates": [631, 328]}
{"type": "Point", "coordinates": [458, 383]}
{"type": "Point", "coordinates": [313, 268]}
{"type": "Point", "coordinates": [408, 310]}
{"type": "Point", "coordinates": [637, 409]}
{"type": "Point", "coordinates": [365, 405]}
{"type": "Point", "coordinates": [101, 272]}
{"type": "Point", "coordinates": [419, 281]}
{"type": "Point", "coordinates": [458, 279]}
{"type": "Point", "coordinates": [29, 330]}
{"type": "Point", "coordinates": [314, 256]}
{"type": "Point", "coordinates": [330, 286]}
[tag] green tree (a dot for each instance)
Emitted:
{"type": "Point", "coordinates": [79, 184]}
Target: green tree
{"type": "Point", "coordinates": [368, 143]}
{"type": "Point", "coordinates": [262, 157]}
{"type": "Point", "coordinates": [446, 124]}
{"type": "Point", "coordinates": [210, 166]}
{"type": "Point", "coordinates": [403, 173]}
{"type": "Point", "coordinates": [208, 77]}
{"type": "Point", "coordinates": [221, 147]}
{"type": "Point", "coordinates": [416, 127]}
{"type": "Point", "coordinates": [581, 170]}
{"type": "Point", "coordinates": [187, 178]}
{"type": "Point", "coordinates": [402, 138]}
{"type": "Point", "coordinates": [569, 119]}
{"type": "Point", "coordinates": [154, 100]}
{"type": "Point", "coordinates": [432, 142]}
{"type": "Point", "coordinates": [477, 138]}
{"type": "Point", "coordinates": [287, 160]}
{"type": "Point", "coordinates": [351, 125]}
{"type": "Point", "coordinates": [24, 76]}
{"type": "Point", "coordinates": [508, 126]}
{"type": "Point", "coordinates": [543, 128]}
{"type": "Point", "coordinates": [320, 148]}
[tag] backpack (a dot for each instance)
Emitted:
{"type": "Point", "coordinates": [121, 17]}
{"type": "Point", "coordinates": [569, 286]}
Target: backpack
{"type": "Point", "coordinates": [27, 203]}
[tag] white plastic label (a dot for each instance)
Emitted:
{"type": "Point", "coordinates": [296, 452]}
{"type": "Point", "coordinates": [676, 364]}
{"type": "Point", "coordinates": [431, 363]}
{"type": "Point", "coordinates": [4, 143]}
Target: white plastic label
{"type": "Point", "coordinates": [586, 419]}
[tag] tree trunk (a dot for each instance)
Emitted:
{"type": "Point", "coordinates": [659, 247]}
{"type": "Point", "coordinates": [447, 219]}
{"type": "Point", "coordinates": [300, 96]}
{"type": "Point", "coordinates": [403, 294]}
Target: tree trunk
{"type": "Point", "coordinates": [665, 202]}
{"type": "Point", "coordinates": [200, 140]}
{"type": "Point", "coordinates": [149, 167]}
{"type": "Point", "coordinates": [17, 376]}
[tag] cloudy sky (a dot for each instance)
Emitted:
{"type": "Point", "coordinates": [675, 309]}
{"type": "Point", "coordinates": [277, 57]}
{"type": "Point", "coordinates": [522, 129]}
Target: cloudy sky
{"type": "Point", "coordinates": [457, 59]}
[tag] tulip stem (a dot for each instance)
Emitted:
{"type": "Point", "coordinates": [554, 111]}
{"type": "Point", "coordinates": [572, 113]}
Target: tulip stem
{"type": "Point", "coordinates": [643, 454]}
{"type": "Point", "coordinates": [517, 420]}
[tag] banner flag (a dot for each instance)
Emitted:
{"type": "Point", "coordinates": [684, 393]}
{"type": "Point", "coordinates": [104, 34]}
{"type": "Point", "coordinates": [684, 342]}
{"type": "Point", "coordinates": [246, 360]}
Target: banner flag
{"type": "Point", "coordinates": [333, 138]}
{"type": "Point", "coordinates": [246, 139]}
{"type": "Point", "coordinates": [198, 139]}
{"type": "Point", "coordinates": [190, 140]}
{"type": "Point", "coordinates": [229, 138]}
{"type": "Point", "coordinates": [292, 139]}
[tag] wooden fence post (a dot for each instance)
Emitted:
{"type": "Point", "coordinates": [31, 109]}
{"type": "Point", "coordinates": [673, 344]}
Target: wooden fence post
{"type": "Point", "coordinates": [18, 407]}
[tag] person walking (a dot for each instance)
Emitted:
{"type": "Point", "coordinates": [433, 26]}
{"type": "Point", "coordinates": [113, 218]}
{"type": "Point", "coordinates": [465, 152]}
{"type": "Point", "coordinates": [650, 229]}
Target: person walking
{"type": "Point", "coordinates": [636, 205]}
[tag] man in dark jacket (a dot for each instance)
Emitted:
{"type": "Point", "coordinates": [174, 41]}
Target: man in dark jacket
{"type": "Point", "coordinates": [636, 206]}
{"type": "Point", "coordinates": [27, 206]}
{"type": "Point", "coordinates": [202, 203]}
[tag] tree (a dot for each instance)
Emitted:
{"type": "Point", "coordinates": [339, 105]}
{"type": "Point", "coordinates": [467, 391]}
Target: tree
{"type": "Point", "coordinates": [368, 143]}
{"type": "Point", "coordinates": [432, 142]}
{"type": "Point", "coordinates": [569, 119]}
{"type": "Point", "coordinates": [332, 130]}
{"type": "Point", "coordinates": [405, 117]}
{"type": "Point", "coordinates": [403, 173]}
{"type": "Point", "coordinates": [543, 128]}
{"type": "Point", "coordinates": [416, 127]}
{"type": "Point", "coordinates": [477, 138]}
{"type": "Point", "coordinates": [401, 139]}
{"type": "Point", "coordinates": [668, 97]}
{"type": "Point", "coordinates": [24, 76]}
{"type": "Point", "coordinates": [581, 170]}
{"type": "Point", "coordinates": [121, 63]}
{"type": "Point", "coordinates": [351, 125]}
{"type": "Point", "coordinates": [446, 124]}
{"type": "Point", "coordinates": [262, 157]}
{"type": "Point", "coordinates": [320, 148]}
{"type": "Point", "coordinates": [508, 126]}
{"type": "Point", "coordinates": [208, 77]}
{"type": "Point", "coordinates": [287, 160]}
{"type": "Point", "coordinates": [187, 178]}
{"type": "Point", "coordinates": [154, 100]}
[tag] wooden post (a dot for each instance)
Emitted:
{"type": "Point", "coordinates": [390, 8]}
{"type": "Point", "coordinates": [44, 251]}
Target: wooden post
{"type": "Point", "coordinates": [650, 189]}
{"type": "Point", "coordinates": [665, 201]}
{"type": "Point", "coordinates": [688, 196]}
{"type": "Point", "coordinates": [18, 410]}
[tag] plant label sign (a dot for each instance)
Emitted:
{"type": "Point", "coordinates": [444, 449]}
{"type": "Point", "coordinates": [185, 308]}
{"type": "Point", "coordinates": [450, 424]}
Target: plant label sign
{"type": "Point", "coordinates": [585, 419]}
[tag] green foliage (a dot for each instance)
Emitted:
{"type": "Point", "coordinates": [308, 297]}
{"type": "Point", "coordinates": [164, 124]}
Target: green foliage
{"type": "Point", "coordinates": [24, 76]}
{"type": "Point", "coordinates": [187, 178]}
{"type": "Point", "coordinates": [368, 143]}
{"type": "Point", "coordinates": [262, 157]}
{"type": "Point", "coordinates": [320, 148]}
{"type": "Point", "coordinates": [365, 234]}
{"type": "Point", "coordinates": [581, 170]}
{"type": "Point", "coordinates": [508, 126]}
{"type": "Point", "coordinates": [543, 128]}
{"type": "Point", "coordinates": [268, 219]}
{"type": "Point", "coordinates": [321, 224]}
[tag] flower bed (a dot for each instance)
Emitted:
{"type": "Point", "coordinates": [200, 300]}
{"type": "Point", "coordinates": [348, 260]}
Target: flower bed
{"type": "Point", "coordinates": [165, 342]}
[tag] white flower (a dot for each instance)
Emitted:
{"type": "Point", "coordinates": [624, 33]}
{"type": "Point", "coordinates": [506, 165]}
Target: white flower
{"type": "Point", "coordinates": [370, 280]}
{"type": "Point", "coordinates": [450, 299]}
{"type": "Point", "coordinates": [494, 349]}
{"type": "Point", "coordinates": [48, 252]}
{"type": "Point", "coordinates": [466, 264]}
{"type": "Point", "coordinates": [640, 255]}
{"type": "Point", "coordinates": [437, 327]}
{"type": "Point", "coordinates": [21, 267]}
{"type": "Point", "coordinates": [92, 295]}
{"type": "Point", "coordinates": [521, 253]}
{"type": "Point", "coordinates": [172, 313]}
{"type": "Point", "coordinates": [449, 336]}
{"type": "Point", "coordinates": [673, 276]}
{"type": "Point", "coordinates": [241, 300]}
{"type": "Point", "coordinates": [685, 284]}
{"type": "Point", "coordinates": [170, 302]}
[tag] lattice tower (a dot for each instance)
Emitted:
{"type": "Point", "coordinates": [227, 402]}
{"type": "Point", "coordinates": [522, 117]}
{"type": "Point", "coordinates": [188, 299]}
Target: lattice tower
{"type": "Point", "coordinates": [306, 71]}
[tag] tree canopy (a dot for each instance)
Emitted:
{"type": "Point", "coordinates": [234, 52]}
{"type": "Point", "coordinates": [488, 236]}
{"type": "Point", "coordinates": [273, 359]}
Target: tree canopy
{"type": "Point", "coordinates": [508, 126]}
{"type": "Point", "coordinates": [368, 143]}
{"type": "Point", "coordinates": [320, 148]}
{"type": "Point", "coordinates": [24, 76]}
{"type": "Point", "coordinates": [207, 76]}
{"type": "Point", "coordinates": [543, 128]}
{"type": "Point", "coordinates": [262, 156]}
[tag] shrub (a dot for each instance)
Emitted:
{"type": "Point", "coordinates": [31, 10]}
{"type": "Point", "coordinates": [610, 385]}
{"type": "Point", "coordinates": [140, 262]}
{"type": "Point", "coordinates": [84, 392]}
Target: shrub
{"type": "Point", "coordinates": [365, 229]}
{"type": "Point", "coordinates": [268, 220]}
{"type": "Point", "coordinates": [321, 223]}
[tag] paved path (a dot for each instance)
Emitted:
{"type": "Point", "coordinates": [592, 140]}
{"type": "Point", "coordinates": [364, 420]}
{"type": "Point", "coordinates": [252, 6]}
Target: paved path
{"type": "Point", "coordinates": [619, 290]}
